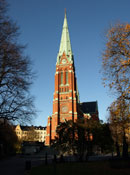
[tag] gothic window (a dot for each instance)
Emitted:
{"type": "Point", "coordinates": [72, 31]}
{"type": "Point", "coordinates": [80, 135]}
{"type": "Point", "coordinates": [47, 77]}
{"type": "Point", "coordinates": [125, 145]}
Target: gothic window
{"type": "Point", "coordinates": [66, 77]}
{"type": "Point", "coordinates": [61, 77]}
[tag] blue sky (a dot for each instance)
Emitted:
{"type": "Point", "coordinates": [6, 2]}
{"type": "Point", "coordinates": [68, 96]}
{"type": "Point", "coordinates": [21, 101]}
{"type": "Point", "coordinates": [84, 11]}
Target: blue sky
{"type": "Point", "coordinates": [40, 23]}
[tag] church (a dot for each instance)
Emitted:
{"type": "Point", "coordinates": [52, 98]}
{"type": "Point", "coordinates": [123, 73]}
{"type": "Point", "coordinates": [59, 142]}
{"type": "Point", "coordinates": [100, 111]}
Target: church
{"type": "Point", "coordinates": [66, 103]}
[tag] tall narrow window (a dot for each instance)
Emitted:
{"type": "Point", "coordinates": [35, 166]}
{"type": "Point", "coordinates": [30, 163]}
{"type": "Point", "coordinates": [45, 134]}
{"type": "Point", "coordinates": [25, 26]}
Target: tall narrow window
{"type": "Point", "coordinates": [66, 77]}
{"type": "Point", "coordinates": [61, 77]}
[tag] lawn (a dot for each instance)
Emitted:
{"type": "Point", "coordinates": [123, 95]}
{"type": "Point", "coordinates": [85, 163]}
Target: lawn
{"type": "Point", "coordinates": [88, 168]}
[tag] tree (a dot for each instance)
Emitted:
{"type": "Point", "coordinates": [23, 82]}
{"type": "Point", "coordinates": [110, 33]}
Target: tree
{"type": "Point", "coordinates": [116, 75]}
{"type": "Point", "coordinates": [8, 139]}
{"type": "Point", "coordinates": [116, 131]}
{"type": "Point", "coordinates": [31, 134]}
{"type": "Point", "coordinates": [82, 137]}
{"type": "Point", "coordinates": [116, 60]}
{"type": "Point", "coordinates": [119, 119]}
{"type": "Point", "coordinates": [16, 103]}
{"type": "Point", "coordinates": [97, 136]}
{"type": "Point", "coordinates": [66, 138]}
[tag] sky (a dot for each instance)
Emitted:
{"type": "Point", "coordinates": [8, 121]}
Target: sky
{"type": "Point", "coordinates": [40, 23]}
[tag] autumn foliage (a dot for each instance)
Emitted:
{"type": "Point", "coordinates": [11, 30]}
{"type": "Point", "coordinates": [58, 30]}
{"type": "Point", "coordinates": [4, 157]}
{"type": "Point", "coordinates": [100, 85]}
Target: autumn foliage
{"type": "Point", "coordinates": [116, 60]}
{"type": "Point", "coordinates": [116, 76]}
{"type": "Point", "coordinates": [119, 124]}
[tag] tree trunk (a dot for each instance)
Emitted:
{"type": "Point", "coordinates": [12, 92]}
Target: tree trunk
{"type": "Point", "coordinates": [125, 147]}
{"type": "Point", "coordinates": [117, 149]}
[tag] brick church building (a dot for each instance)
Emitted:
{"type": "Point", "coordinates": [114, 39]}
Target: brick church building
{"type": "Point", "coordinates": [66, 104]}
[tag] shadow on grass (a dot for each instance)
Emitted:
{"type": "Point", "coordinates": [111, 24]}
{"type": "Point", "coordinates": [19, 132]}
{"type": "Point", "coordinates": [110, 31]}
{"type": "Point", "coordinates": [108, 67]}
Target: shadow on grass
{"type": "Point", "coordinates": [89, 168]}
{"type": "Point", "coordinates": [120, 163]}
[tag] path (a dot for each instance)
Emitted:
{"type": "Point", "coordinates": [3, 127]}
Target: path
{"type": "Point", "coordinates": [12, 166]}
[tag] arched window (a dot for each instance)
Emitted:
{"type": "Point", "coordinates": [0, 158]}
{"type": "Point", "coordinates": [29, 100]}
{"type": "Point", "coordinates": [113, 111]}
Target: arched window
{"type": "Point", "coordinates": [66, 77]}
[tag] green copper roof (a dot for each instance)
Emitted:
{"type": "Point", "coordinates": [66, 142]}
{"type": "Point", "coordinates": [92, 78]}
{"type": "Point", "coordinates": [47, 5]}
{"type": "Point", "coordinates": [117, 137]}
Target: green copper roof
{"type": "Point", "coordinates": [65, 45]}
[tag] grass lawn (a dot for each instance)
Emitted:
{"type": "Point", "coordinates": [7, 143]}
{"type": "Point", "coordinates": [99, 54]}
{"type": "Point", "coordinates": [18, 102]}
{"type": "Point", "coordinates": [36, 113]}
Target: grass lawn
{"type": "Point", "coordinates": [89, 168]}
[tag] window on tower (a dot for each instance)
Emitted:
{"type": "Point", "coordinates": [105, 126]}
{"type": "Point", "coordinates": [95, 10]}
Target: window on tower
{"type": "Point", "coordinates": [61, 77]}
{"type": "Point", "coordinates": [66, 77]}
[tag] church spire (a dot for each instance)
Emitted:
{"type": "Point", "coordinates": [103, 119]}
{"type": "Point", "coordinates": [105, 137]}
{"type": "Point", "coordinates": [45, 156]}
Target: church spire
{"type": "Point", "coordinates": [65, 45]}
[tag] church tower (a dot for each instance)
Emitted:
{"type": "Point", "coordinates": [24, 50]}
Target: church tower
{"type": "Point", "coordinates": [66, 98]}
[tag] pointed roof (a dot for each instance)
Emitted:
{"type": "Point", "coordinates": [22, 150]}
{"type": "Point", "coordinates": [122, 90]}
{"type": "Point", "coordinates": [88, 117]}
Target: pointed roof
{"type": "Point", "coordinates": [65, 45]}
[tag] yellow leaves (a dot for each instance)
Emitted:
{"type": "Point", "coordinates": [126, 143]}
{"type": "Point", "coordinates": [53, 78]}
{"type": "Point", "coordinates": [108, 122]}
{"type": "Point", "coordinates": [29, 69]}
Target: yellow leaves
{"type": "Point", "coordinates": [104, 79]}
{"type": "Point", "coordinates": [108, 44]}
{"type": "Point", "coordinates": [127, 27]}
{"type": "Point", "coordinates": [125, 63]}
{"type": "Point", "coordinates": [117, 112]}
{"type": "Point", "coordinates": [110, 86]}
{"type": "Point", "coordinates": [126, 41]}
{"type": "Point", "coordinates": [116, 58]}
{"type": "Point", "coordinates": [112, 83]}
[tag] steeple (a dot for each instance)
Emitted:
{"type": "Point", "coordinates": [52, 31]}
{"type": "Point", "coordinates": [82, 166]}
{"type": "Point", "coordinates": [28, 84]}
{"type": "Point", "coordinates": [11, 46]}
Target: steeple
{"type": "Point", "coordinates": [65, 45]}
{"type": "Point", "coordinates": [65, 97]}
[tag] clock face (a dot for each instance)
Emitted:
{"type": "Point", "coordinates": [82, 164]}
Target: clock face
{"type": "Point", "coordinates": [64, 109]}
{"type": "Point", "coordinates": [64, 61]}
